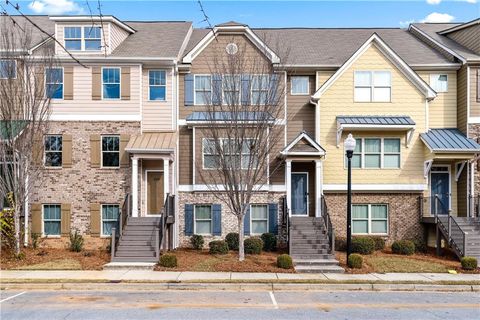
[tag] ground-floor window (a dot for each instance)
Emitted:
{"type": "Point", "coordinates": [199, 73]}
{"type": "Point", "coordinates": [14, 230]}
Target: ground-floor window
{"type": "Point", "coordinates": [203, 219]}
{"type": "Point", "coordinates": [110, 214]}
{"type": "Point", "coordinates": [369, 219]}
{"type": "Point", "coordinates": [259, 218]}
{"type": "Point", "coordinates": [52, 219]}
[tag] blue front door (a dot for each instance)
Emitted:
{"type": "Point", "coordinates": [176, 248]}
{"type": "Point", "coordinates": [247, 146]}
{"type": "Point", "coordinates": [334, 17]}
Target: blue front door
{"type": "Point", "coordinates": [299, 193]}
{"type": "Point", "coordinates": [440, 190]}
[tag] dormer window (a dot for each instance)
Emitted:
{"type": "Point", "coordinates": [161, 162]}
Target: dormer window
{"type": "Point", "coordinates": [83, 39]}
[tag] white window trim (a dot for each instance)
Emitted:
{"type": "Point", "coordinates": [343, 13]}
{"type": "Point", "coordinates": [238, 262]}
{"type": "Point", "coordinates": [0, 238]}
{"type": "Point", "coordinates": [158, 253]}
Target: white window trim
{"type": "Point", "coordinates": [251, 89]}
{"type": "Point", "coordinates": [382, 154]}
{"type": "Point", "coordinates": [195, 90]}
{"type": "Point", "coordinates": [164, 85]}
{"type": "Point", "coordinates": [372, 86]}
{"type": "Point", "coordinates": [82, 38]}
{"type": "Point", "coordinates": [15, 67]}
{"type": "Point", "coordinates": [221, 139]}
{"type": "Point", "coordinates": [101, 150]}
{"type": "Point", "coordinates": [43, 220]}
{"type": "Point", "coordinates": [102, 235]}
{"type": "Point", "coordinates": [147, 171]}
{"type": "Point", "coordinates": [45, 151]}
{"type": "Point", "coordinates": [369, 219]}
{"type": "Point", "coordinates": [449, 171]}
{"type": "Point", "coordinates": [119, 84]}
{"type": "Point", "coordinates": [63, 83]}
{"type": "Point", "coordinates": [251, 218]}
{"type": "Point", "coordinates": [432, 77]}
{"type": "Point", "coordinates": [302, 93]}
{"type": "Point", "coordinates": [195, 219]}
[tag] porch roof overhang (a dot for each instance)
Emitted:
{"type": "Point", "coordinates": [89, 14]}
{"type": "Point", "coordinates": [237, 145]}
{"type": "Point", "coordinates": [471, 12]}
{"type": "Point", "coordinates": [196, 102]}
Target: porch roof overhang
{"type": "Point", "coordinates": [152, 142]}
{"type": "Point", "coordinates": [449, 142]}
{"type": "Point", "coordinates": [10, 129]}
{"type": "Point", "coordinates": [303, 145]}
{"type": "Point", "coordinates": [376, 123]}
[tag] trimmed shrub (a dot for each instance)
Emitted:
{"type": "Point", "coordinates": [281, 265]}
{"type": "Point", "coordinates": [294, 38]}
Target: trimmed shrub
{"type": "Point", "coordinates": [76, 242]}
{"type": "Point", "coordinates": [355, 261]}
{"type": "Point", "coordinates": [469, 263]}
{"type": "Point", "coordinates": [363, 245]}
{"type": "Point", "coordinates": [197, 241]}
{"type": "Point", "coordinates": [253, 245]}
{"type": "Point", "coordinates": [218, 247]}
{"type": "Point", "coordinates": [379, 243]}
{"type": "Point", "coordinates": [168, 261]}
{"type": "Point", "coordinates": [269, 242]}
{"type": "Point", "coordinates": [405, 247]}
{"type": "Point", "coordinates": [35, 240]}
{"type": "Point", "coordinates": [420, 245]}
{"type": "Point", "coordinates": [284, 261]}
{"type": "Point", "coordinates": [340, 244]}
{"type": "Point", "coordinates": [232, 241]}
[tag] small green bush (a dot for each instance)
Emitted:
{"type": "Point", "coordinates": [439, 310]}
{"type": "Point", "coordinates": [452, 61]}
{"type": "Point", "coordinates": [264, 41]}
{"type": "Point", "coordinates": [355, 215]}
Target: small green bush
{"type": "Point", "coordinates": [405, 247]}
{"type": "Point", "coordinates": [420, 245]}
{"type": "Point", "coordinates": [363, 245]}
{"type": "Point", "coordinates": [76, 241]}
{"type": "Point", "coordinates": [469, 263]}
{"type": "Point", "coordinates": [35, 240]}
{"type": "Point", "coordinates": [232, 241]}
{"type": "Point", "coordinates": [218, 247]}
{"type": "Point", "coordinates": [269, 242]}
{"type": "Point", "coordinates": [284, 261]}
{"type": "Point", "coordinates": [20, 256]}
{"type": "Point", "coordinates": [355, 261]}
{"type": "Point", "coordinates": [253, 245]}
{"type": "Point", "coordinates": [379, 243]}
{"type": "Point", "coordinates": [340, 244]}
{"type": "Point", "coordinates": [197, 241]}
{"type": "Point", "coordinates": [168, 261]}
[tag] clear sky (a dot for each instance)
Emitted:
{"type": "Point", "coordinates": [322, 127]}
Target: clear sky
{"type": "Point", "coordinates": [318, 13]}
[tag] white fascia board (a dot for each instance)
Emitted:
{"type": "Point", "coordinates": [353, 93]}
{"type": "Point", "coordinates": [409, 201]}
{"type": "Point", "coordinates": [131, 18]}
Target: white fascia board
{"type": "Point", "coordinates": [111, 19]}
{"type": "Point", "coordinates": [133, 150]}
{"type": "Point", "coordinates": [95, 117]}
{"type": "Point", "coordinates": [473, 119]}
{"type": "Point", "coordinates": [303, 135]}
{"type": "Point", "coordinates": [376, 187]}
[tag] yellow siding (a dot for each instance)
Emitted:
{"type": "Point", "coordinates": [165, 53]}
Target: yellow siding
{"type": "Point", "coordinates": [157, 115]}
{"type": "Point", "coordinates": [322, 77]}
{"type": "Point", "coordinates": [443, 109]}
{"type": "Point", "coordinates": [406, 100]}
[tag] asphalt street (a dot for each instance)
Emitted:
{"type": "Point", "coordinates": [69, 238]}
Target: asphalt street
{"type": "Point", "coordinates": [198, 305]}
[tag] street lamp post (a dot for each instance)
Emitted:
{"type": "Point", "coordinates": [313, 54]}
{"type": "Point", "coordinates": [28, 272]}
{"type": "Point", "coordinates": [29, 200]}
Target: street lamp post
{"type": "Point", "coordinates": [350, 144]}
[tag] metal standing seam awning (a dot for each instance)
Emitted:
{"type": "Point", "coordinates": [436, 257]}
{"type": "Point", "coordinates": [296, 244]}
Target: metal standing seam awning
{"type": "Point", "coordinates": [152, 142]}
{"type": "Point", "coordinates": [376, 123]}
{"type": "Point", "coordinates": [10, 129]}
{"type": "Point", "coordinates": [210, 118]}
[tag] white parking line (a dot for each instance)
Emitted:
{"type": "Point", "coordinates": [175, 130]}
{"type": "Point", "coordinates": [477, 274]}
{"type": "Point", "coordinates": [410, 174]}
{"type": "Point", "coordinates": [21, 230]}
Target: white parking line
{"type": "Point", "coordinates": [14, 296]}
{"type": "Point", "coordinates": [274, 301]}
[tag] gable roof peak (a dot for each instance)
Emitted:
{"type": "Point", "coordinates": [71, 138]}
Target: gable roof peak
{"type": "Point", "coordinates": [231, 23]}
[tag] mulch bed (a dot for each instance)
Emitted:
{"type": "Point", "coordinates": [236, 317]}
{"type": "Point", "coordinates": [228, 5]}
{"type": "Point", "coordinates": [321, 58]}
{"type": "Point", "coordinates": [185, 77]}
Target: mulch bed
{"type": "Point", "coordinates": [88, 259]}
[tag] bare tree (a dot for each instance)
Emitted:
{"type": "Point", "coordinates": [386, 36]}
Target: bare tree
{"type": "Point", "coordinates": [243, 104]}
{"type": "Point", "coordinates": [24, 113]}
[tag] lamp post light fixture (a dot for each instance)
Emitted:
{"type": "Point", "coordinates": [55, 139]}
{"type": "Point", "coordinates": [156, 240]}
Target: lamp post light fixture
{"type": "Point", "coordinates": [350, 144]}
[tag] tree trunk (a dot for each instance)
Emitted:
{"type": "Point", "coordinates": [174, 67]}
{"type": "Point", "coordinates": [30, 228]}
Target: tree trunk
{"type": "Point", "coordinates": [16, 221]}
{"type": "Point", "coordinates": [241, 249]}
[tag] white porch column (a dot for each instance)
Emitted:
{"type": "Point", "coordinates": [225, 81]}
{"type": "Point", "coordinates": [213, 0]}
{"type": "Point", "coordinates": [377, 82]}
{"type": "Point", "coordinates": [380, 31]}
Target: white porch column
{"type": "Point", "coordinates": [318, 187]}
{"type": "Point", "coordinates": [288, 182]}
{"type": "Point", "coordinates": [166, 177]}
{"type": "Point", "coordinates": [135, 187]}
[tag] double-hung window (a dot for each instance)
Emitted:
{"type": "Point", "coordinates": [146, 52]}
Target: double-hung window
{"type": "Point", "coordinates": [391, 153]}
{"type": "Point", "coordinates": [210, 154]}
{"type": "Point", "coordinates": [260, 86]}
{"type": "Point", "coordinates": [83, 39]}
{"type": "Point", "coordinates": [439, 82]}
{"type": "Point", "coordinates": [157, 85]}
{"type": "Point", "coordinates": [376, 153]}
{"type": "Point", "coordinates": [52, 219]}
{"type": "Point", "coordinates": [259, 218]}
{"type": "Point", "coordinates": [53, 151]}
{"type": "Point", "coordinates": [235, 156]}
{"type": "Point", "coordinates": [299, 85]}
{"type": "Point", "coordinates": [111, 83]}
{"type": "Point", "coordinates": [373, 86]}
{"type": "Point", "coordinates": [357, 154]}
{"type": "Point", "coordinates": [93, 38]}
{"type": "Point", "coordinates": [203, 89]}
{"type": "Point", "coordinates": [373, 153]}
{"type": "Point", "coordinates": [369, 219]}
{"type": "Point", "coordinates": [8, 69]}
{"type": "Point", "coordinates": [54, 83]}
{"type": "Point", "coordinates": [231, 89]}
{"type": "Point", "coordinates": [110, 151]}
{"type": "Point", "coordinates": [73, 38]}
{"type": "Point", "coordinates": [203, 219]}
{"type": "Point", "coordinates": [110, 214]}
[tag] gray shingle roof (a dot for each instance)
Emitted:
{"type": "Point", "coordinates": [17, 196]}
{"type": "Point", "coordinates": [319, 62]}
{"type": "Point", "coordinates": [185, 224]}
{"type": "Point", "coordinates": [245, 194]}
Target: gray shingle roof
{"type": "Point", "coordinates": [226, 116]}
{"type": "Point", "coordinates": [376, 120]}
{"type": "Point", "coordinates": [20, 22]}
{"type": "Point", "coordinates": [449, 140]}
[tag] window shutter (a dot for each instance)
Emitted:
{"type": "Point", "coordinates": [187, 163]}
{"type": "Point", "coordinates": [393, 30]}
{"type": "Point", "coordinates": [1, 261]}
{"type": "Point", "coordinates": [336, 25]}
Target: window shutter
{"type": "Point", "coordinates": [189, 219]}
{"type": "Point", "coordinates": [66, 216]}
{"type": "Point", "coordinates": [189, 89]}
{"type": "Point", "coordinates": [95, 219]}
{"type": "Point", "coordinates": [68, 83]}
{"type": "Point", "coordinates": [273, 218]}
{"type": "Point", "coordinates": [245, 89]}
{"type": "Point", "coordinates": [96, 83]}
{"type": "Point", "coordinates": [273, 91]}
{"type": "Point", "coordinates": [67, 151]}
{"type": "Point", "coordinates": [38, 150]}
{"type": "Point", "coordinates": [246, 222]}
{"type": "Point", "coordinates": [36, 210]}
{"type": "Point", "coordinates": [125, 83]}
{"type": "Point", "coordinates": [217, 89]}
{"type": "Point", "coordinates": [40, 82]}
{"type": "Point", "coordinates": [217, 219]}
{"type": "Point", "coordinates": [124, 158]}
{"type": "Point", "coordinates": [95, 150]}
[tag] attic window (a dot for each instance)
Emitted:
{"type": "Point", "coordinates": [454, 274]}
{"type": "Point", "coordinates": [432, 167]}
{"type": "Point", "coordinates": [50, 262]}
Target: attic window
{"type": "Point", "coordinates": [83, 39]}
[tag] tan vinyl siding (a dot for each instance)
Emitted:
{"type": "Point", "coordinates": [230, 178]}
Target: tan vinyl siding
{"type": "Point", "coordinates": [462, 110]}
{"type": "Point", "coordinates": [443, 109]}
{"type": "Point", "coordinates": [300, 112]}
{"type": "Point", "coordinates": [474, 103]}
{"type": "Point", "coordinates": [339, 99]}
{"type": "Point", "coordinates": [468, 37]}
{"type": "Point", "coordinates": [59, 30]}
{"type": "Point", "coordinates": [157, 115]}
{"type": "Point", "coordinates": [117, 35]}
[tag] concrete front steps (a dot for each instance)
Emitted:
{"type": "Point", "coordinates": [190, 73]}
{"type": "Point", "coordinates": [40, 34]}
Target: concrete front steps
{"type": "Point", "coordinates": [309, 246]}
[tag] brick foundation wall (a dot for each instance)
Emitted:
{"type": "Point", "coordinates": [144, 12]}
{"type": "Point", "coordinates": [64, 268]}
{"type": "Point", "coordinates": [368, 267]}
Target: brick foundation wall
{"type": "Point", "coordinates": [403, 213]}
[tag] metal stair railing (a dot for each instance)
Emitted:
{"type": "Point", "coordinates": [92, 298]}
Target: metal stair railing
{"type": "Point", "coordinates": [167, 213]}
{"type": "Point", "coordinates": [328, 225]}
{"type": "Point", "coordinates": [125, 212]}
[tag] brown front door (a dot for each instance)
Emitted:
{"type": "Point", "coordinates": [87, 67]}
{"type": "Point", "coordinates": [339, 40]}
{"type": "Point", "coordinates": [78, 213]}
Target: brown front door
{"type": "Point", "coordinates": [154, 192]}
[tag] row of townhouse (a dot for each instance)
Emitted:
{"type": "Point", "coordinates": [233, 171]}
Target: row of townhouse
{"type": "Point", "coordinates": [129, 126]}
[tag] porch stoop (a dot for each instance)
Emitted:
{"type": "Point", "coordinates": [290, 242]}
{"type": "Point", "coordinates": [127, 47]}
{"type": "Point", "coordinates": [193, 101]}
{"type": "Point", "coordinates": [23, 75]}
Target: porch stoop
{"type": "Point", "coordinates": [309, 246]}
{"type": "Point", "coordinates": [462, 234]}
